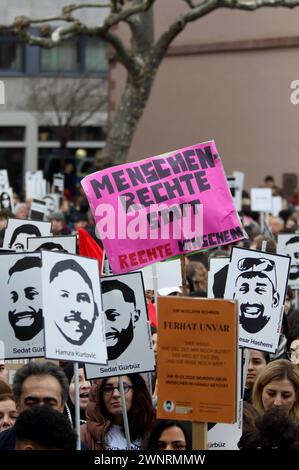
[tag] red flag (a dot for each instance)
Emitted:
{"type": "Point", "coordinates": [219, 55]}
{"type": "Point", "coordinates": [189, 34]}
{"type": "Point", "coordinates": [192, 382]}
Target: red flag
{"type": "Point", "coordinates": [89, 247]}
{"type": "Point", "coordinates": [152, 314]}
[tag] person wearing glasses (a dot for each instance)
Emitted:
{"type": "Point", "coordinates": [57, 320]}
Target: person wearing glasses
{"type": "Point", "coordinates": [104, 429]}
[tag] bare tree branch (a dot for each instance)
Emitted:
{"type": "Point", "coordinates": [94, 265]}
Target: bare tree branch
{"type": "Point", "coordinates": [127, 58]}
{"type": "Point", "coordinates": [251, 5]}
{"type": "Point", "coordinates": [141, 59]}
{"type": "Point", "coordinates": [179, 25]}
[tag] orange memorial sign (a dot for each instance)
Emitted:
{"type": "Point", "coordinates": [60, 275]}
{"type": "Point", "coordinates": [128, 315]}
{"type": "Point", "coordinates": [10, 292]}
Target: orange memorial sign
{"type": "Point", "coordinates": [197, 359]}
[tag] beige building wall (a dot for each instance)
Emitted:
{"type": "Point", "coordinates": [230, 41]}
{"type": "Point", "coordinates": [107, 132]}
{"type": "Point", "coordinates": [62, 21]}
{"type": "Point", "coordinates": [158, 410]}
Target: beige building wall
{"type": "Point", "coordinates": [240, 98]}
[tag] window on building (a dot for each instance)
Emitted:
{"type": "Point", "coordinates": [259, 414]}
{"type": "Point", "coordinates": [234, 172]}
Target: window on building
{"type": "Point", "coordinates": [9, 133]}
{"type": "Point", "coordinates": [63, 58]}
{"type": "Point", "coordinates": [11, 54]}
{"type": "Point", "coordinates": [95, 55]}
{"type": "Point", "coordinates": [13, 160]}
{"type": "Point", "coordinates": [86, 133]}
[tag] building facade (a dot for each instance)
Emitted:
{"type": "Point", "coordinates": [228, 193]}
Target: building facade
{"type": "Point", "coordinates": [29, 135]}
{"type": "Point", "coordinates": [227, 77]}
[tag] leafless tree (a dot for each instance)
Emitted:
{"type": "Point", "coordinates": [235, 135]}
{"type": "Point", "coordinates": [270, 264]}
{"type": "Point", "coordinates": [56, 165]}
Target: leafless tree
{"type": "Point", "coordinates": [65, 104]}
{"type": "Point", "coordinates": [141, 58]}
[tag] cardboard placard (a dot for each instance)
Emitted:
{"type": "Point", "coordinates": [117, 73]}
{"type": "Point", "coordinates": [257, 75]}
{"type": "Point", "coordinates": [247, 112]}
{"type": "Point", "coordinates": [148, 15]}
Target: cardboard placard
{"type": "Point", "coordinates": [197, 359]}
{"type": "Point", "coordinates": [258, 280]}
{"type": "Point", "coordinates": [72, 307]}
{"type": "Point", "coordinates": [128, 336]}
{"type": "Point", "coordinates": [21, 319]}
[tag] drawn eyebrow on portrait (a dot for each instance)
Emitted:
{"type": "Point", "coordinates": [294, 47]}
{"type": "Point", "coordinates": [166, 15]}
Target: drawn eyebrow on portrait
{"type": "Point", "coordinates": [51, 247]}
{"type": "Point", "coordinates": [62, 243]}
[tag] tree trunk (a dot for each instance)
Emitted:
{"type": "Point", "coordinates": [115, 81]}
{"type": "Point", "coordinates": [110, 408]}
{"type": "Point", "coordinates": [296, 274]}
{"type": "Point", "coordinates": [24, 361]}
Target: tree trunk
{"type": "Point", "coordinates": [132, 106]}
{"type": "Point", "coordinates": [62, 153]}
{"type": "Point", "coordinates": [136, 93]}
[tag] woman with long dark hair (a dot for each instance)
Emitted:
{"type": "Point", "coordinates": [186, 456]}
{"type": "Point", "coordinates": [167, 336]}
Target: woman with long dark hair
{"type": "Point", "coordinates": [104, 429]}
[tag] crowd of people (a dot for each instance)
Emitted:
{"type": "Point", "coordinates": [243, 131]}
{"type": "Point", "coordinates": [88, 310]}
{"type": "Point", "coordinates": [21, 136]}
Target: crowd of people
{"type": "Point", "coordinates": [271, 395]}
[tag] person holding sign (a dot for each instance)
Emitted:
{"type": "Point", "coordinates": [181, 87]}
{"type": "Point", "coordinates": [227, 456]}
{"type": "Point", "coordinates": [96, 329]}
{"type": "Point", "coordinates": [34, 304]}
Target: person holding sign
{"type": "Point", "coordinates": [104, 429]}
{"type": "Point", "coordinates": [256, 291]}
{"type": "Point", "coordinates": [72, 293]}
{"type": "Point", "coordinates": [277, 386]}
{"type": "Point", "coordinates": [121, 315]}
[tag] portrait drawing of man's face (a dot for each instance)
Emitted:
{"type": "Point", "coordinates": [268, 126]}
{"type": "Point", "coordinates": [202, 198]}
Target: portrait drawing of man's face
{"type": "Point", "coordinates": [120, 316]}
{"type": "Point", "coordinates": [292, 250]}
{"type": "Point", "coordinates": [255, 290]}
{"type": "Point", "coordinates": [75, 308]}
{"type": "Point", "coordinates": [25, 314]}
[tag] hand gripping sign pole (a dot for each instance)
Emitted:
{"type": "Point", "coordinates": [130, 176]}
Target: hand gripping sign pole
{"type": "Point", "coordinates": [124, 411]}
{"type": "Point", "coordinates": [199, 430]}
{"type": "Point", "coordinates": [77, 405]}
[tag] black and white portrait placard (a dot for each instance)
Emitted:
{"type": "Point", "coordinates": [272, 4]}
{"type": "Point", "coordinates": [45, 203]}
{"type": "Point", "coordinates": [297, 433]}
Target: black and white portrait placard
{"type": "Point", "coordinates": [62, 243]}
{"type": "Point", "coordinates": [38, 209]}
{"type": "Point", "coordinates": [261, 199]}
{"type": "Point", "coordinates": [4, 182]}
{"type": "Point", "coordinates": [235, 191]}
{"type": "Point", "coordinates": [6, 199]}
{"type": "Point", "coordinates": [74, 323]}
{"type": "Point", "coordinates": [128, 338]}
{"type": "Point", "coordinates": [105, 268]}
{"type": "Point", "coordinates": [21, 317]}
{"type": "Point", "coordinates": [52, 203]}
{"type": "Point", "coordinates": [58, 183]}
{"type": "Point", "coordinates": [35, 184]}
{"type": "Point", "coordinates": [217, 277]}
{"type": "Point", "coordinates": [18, 230]}
{"type": "Point", "coordinates": [288, 245]}
{"type": "Point", "coordinates": [168, 275]}
{"type": "Point", "coordinates": [258, 280]}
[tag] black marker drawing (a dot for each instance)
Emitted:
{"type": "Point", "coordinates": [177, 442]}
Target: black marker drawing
{"type": "Point", "coordinates": [72, 294]}
{"type": "Point", "coordinates": [256, 291]}
{"type": "Point", "coordinates": [51, 204]}
{"type": "Point", "coordinates": [19, 237]}
{"type": "Point", "coordinates": [119, 305]}
{"type": "Point", "coordinates": [292, 250]}
{"type": "Point", "coordinates": [25, 314]}
{"type": "Point", "coordinates": [50, 246]}
{"type": "Point", "coordinates": [5, 201]}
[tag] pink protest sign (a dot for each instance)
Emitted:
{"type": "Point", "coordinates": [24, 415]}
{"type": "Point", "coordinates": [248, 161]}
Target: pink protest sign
{"type": "Point", "coordinates": [153, 209]}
